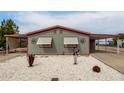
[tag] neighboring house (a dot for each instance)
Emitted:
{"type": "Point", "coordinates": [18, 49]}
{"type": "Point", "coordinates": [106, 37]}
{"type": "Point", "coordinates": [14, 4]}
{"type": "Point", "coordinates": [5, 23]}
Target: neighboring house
{"type": "Point", "coordinates": [105, 43]}
{"type": "Point", "coordinates": [57, 40]}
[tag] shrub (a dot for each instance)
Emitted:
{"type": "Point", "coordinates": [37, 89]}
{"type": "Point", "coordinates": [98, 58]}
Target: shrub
{"type": "Point", "coordinates": [96, 69]}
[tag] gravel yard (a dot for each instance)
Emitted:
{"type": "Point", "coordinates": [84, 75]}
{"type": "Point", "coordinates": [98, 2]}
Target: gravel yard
{"type": "Point", "coordinates": [56, 66]}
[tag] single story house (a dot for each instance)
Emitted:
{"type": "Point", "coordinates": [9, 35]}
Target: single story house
{"type": "Point", "coordinates": [54, 40]}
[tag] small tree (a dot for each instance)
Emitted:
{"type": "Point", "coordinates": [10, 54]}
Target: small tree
{"type": "Point", "coordinates": [7, 27]}
{"type": "Point", "coordinates": [75, 54]}
{"type": "Point", "coordinates": [119, 36]}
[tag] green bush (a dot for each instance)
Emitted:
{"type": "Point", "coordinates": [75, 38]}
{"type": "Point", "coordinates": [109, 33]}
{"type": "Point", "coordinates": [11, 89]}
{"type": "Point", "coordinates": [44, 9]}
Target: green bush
{"type": "Point", "coordinates": [7, 26]}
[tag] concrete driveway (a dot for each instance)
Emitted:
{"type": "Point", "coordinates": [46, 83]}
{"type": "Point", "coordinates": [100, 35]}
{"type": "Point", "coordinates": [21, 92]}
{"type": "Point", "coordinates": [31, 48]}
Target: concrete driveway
{"type": "Point", "coordinates": [112, 59]}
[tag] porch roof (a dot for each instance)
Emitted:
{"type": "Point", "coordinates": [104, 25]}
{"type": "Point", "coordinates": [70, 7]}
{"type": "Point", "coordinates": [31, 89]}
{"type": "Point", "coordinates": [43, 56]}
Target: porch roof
{"type": "Point", "coordinates": [101, 36]}
{"type": "Point", "coordinates": [15, 35]}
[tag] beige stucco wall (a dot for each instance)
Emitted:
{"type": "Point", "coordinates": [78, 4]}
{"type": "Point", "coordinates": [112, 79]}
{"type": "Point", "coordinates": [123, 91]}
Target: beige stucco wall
{"type": "Point", "coordinates": [58, 43]}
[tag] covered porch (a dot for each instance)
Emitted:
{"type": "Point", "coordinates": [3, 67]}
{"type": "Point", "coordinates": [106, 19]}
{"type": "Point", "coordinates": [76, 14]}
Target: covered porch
{"type": "Point", "coordinates": [16, 43]}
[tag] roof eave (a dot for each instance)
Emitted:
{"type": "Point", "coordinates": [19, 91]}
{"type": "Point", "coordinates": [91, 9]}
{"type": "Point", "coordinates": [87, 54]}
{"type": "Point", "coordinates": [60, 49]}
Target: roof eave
{"type": "Point", "coordinates": [55, 27]}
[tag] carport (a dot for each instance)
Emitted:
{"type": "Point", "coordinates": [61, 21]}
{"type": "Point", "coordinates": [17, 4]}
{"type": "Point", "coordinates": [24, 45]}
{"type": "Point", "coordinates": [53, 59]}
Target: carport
{"type": "Point", "coordinates": [16, 42]}
{"type": "Point", "coordinates": [98, 37]}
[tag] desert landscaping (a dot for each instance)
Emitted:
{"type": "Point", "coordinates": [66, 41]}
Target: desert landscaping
{"type": "Point", "coordinates": [62, 67]}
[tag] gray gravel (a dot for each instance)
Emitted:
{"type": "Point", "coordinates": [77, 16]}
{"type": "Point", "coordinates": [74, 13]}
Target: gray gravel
{"type": "Point", "coordinates": [56, 66]}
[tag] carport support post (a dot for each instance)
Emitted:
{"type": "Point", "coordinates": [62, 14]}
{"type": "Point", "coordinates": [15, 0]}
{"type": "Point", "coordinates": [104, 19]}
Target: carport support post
{"type": "Point", "coordinates": [105, 44]}
{"type": "Point", "coordinates": [118, 48]}
{"type": "Point", "coordinates": [98, 44]}
{"type": "Point", "coordinates": [20, 42]}
{"type": "Point", "coordinates": [7, 46]}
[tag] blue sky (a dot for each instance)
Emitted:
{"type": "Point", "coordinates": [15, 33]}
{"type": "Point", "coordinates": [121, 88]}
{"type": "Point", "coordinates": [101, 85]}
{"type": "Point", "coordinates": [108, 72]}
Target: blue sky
{"type": "Point", "coordinates": [94, 22]}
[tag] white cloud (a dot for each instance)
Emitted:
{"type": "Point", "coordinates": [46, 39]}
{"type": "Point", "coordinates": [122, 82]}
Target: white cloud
{"type": "Point", "coordinates": [97, 22]}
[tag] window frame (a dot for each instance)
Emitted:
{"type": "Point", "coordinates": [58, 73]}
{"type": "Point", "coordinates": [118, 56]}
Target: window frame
{"type": "Point", "coordinates": [46, 45]}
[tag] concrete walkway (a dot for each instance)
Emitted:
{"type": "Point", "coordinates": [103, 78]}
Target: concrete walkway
{"type": "Point", "coordinates": [111, 59]}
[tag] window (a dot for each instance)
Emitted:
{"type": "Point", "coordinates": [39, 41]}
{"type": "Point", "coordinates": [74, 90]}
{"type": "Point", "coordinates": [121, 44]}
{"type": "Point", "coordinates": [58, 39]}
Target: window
{"type": "Point", "coordinates": [70, 42]}
{"type": "Point", "coordinates": [70, 46]}
{"type": "Point", "coordinates": [44, 42]}
{"type": "Point", "coordinates": [45, 46]}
